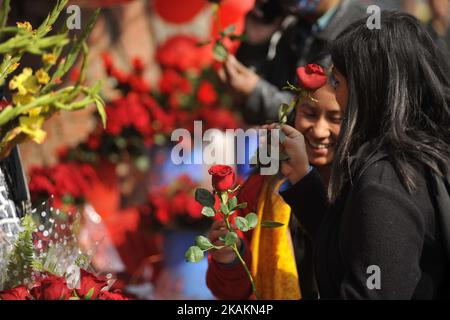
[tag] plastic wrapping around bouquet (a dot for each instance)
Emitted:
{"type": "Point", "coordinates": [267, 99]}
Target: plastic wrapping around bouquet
{"type": "Point", "coordinates": [192, 275]}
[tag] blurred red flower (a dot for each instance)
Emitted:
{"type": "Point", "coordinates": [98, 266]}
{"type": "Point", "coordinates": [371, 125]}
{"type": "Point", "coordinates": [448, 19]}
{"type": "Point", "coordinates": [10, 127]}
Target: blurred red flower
{"type": "Point", "coordinates": [182, 53]}
{"type": "Point", "coordinates": [206, 93]}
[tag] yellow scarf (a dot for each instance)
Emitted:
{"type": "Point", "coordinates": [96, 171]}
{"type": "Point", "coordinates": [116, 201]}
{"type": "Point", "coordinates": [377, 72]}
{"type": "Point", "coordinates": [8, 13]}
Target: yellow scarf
{"type": "Point", "coordinates": [273, 265]}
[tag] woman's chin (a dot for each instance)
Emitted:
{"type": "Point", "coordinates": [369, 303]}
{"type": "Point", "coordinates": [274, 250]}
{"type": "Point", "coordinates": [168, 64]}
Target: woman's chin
{"type": "Point", "coordinates": [319, 161]}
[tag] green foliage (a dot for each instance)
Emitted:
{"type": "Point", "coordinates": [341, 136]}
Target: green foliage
{"type": "Point", "coordinates": [194, 254]}
{"type": "Point", "coordinates": [271, 224]}
{"type": "Point", "coordinates": [204, 197]}
{"type": "Point", "coordinates": [22, 258]}
{"type": "Point", "coordinates": [224, 209]}
{"type": "Point", "coordinates": [44, 99]}
{"type": "Point", "coordinates": [203, 243]}
{"type": "Point", "coordinates": [231, 238]}
{"type": "Point", "coordinates": [208, 212]}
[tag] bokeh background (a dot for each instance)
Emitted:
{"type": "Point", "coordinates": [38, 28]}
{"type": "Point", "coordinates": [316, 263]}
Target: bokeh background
{"type": "Point", "coordinates": [139, 216]}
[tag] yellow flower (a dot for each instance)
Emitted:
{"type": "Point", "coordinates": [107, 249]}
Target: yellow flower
{"type": "Point", "coordinates": [31, 126]}
{"type": "Point", "coordinates": [25, 25]}
{"type": "Point", "coordinates": [42, 76]}
{"type": "Point", "coordinates": [13, 67]}
{"type": "Point", "coordinates": [37, 111]}
{"type": "Point", "coordinates": [49, 58]}
{"type": "Point", "coordinates": [24, 82]}
{"type": "Point", "coordinates": [22, 100]}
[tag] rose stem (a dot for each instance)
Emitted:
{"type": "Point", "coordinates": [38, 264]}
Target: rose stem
{"type": "Point", "coordinates": [236, 251]}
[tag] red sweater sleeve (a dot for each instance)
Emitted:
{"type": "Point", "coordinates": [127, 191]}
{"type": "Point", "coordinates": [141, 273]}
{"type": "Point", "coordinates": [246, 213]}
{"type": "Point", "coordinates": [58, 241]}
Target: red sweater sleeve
{"type": "Point", "coordinates": [230, 282]}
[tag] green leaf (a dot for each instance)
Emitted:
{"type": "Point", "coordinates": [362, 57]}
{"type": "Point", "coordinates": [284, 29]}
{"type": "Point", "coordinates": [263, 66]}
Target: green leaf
{"type": "Point", "coordinates": [224, 209]}
{"type": "Point", "coordinates": [4, 11]}
{"type": "Point", "coordinates": [228, 30]}
{"type": "Point", "coordinates": [231, 238]}
{"type": "Point", "coordinates": [238, 37]}
{"type": "Point", "coordinates": [89, 295]}
{"type": "Point", "coordinates": [232, 203]}
{"type": "Point", "coordinates": [224, 197]}
{"type": "Point", "coordinates": [252, 220]}
{"type": "Point", "coordinates": [220, 52]}
{"type": "Point", "coordinates": [194, 254]}
{"type": "Point", "coordinates": [242, 224]}
{"type": "Point", "coordinates": [204, 197]}
{"type": "Point", "coordinates": [203, 243]}
{"type": "Point", "coordinates": [6, 115]}
{"type": "Point", "coordinates": [222, 238]}
{"type": "Point", "coordinates": [74, 298]}
{"type": "Point", "coordinates": [208, 212]}
{"type": "Point", "coordinates": [271, 224]}
{"type": "Point", "coordinates": [242, 205]}
{"type": "Point", "coordinates": [203, 43]}
{"type": "Point", "coordinates": [73, 53]}
{"type": "Point", "coordinates": [100, 104]}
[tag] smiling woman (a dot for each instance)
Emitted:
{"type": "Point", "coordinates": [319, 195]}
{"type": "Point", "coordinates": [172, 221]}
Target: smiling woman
{"type": "Point", "coordinates": [319, 120]}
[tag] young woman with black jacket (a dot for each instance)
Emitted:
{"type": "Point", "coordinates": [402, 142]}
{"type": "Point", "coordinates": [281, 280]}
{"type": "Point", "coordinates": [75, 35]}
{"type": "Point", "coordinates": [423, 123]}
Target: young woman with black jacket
{"type": "Point", "coordinates": [376, 231]}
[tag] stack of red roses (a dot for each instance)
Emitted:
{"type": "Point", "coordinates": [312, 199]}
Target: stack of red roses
{"type": "Point", "coordinates": [53, 287]}
{"type": "Point", "coordinates": [172, 206]}
{"type": "Point", "coordinates": [65, 182]}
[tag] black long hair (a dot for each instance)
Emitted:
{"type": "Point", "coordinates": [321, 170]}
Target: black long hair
{"type": "Point", "coordinates": [399, 100]}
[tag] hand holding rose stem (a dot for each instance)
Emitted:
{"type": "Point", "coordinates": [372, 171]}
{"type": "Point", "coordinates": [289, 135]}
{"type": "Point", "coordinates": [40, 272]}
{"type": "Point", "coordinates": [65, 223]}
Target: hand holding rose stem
{"type": "Point", "coordinates": [223, 181]}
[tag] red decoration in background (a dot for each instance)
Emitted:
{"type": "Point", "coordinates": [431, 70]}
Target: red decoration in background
{"type": "Point", "coordinates": [181, 52]}
{"type": "Point", "coordinates": [231, 12]}
{"type": "Point", "coordinates": [178, 12]}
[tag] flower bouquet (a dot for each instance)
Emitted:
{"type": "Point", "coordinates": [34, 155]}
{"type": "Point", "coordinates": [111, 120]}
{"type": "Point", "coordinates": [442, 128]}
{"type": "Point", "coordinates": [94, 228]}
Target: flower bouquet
{"type": "Point", "coordinates": [44, 262]}
{"type": "Point", "coordinates": [35, 96]}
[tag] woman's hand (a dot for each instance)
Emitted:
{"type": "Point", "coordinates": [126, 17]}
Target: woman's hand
{"type": "Point", "coordinates": [225, 255]}
{"type": "Point", "coordinates": [297, 166]}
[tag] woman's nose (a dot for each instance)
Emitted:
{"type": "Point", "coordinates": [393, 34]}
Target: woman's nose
{"type": "Point", "coordinates": [320, 129]}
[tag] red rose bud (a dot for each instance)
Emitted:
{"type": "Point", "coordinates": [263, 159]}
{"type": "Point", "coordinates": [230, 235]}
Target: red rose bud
{"type": "Point", "coordinates": [90, 285]}
{"type": "Point", "coordinates": [54, 288]}
{"type": "Point", "coordinates": [311, 77]}
{"type": "Point", "coordinates": [223, 177]}
{"type": "Point", "coordinates": [138, 65]}
{"type": "Point", "coordinates": [17, 293]}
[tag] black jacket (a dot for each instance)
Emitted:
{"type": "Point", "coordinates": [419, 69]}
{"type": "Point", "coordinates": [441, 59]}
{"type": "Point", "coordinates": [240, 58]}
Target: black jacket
{"type": "Point", "coordinates": [376, 222]}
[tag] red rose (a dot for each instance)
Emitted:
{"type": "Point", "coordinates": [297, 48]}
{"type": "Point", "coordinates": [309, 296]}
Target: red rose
{"type": "Point", "coordinates": [90, 283]}
{"type": "Point", "coordinates": [223, 177]}
{"type": "Point", "coordinates": [218, 117]}
{"type": "Point", "coordinates": [75, 75]}
{"type": "Point", "coordinates": [17, 293]}
{"type": "Point", "coordinates": [193, 208]}
{"type": "Point", "coordinates": [138, 83]}
{"type": "Point", "coordinates": [116, 295]}
{"type": "Point", "coordinates": [312, 77]}
{"type": "Point", "coordinates": [54, 288]}
{"type": "Point", "coordinates": [93, 141]}
{"type": "Point", "coordinates": [206, 93]}
{"type": "Point", "coordinates": [138, 65]}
